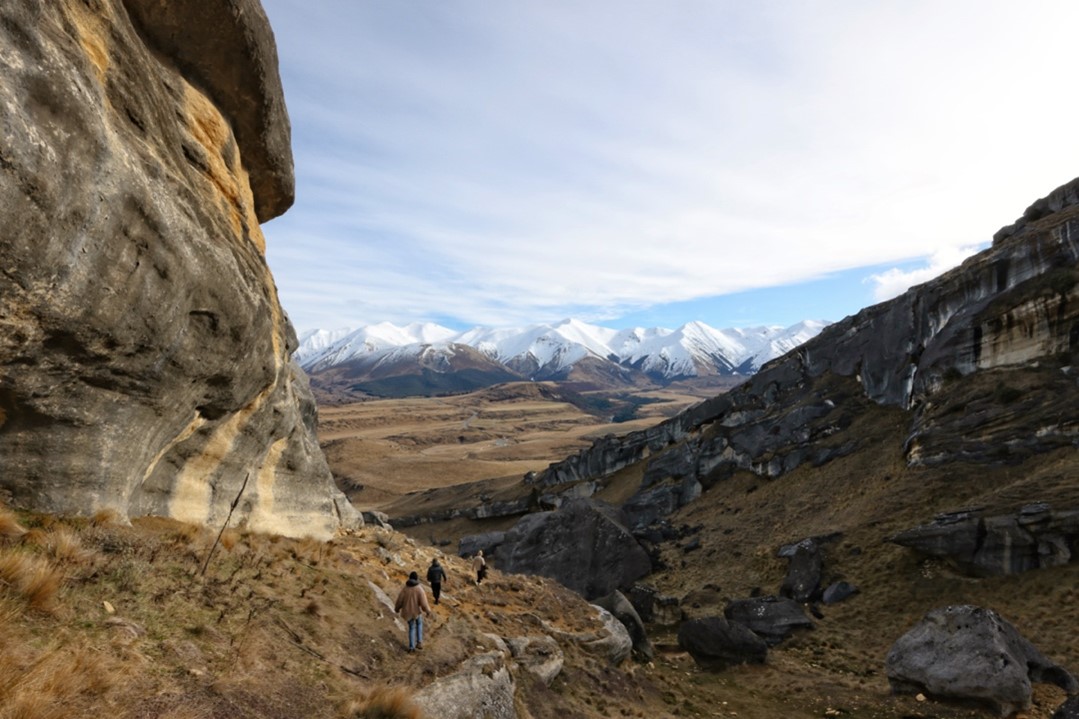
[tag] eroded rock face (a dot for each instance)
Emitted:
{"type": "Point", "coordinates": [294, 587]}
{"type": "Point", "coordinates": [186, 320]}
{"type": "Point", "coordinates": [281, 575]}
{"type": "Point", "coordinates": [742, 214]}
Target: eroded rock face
{"type": "Point", "coordinates": [144, 356]}
{"type": "Point", "coordinates": [1035, 537]}
{"type": "Point", "coordinates": [971, 654]}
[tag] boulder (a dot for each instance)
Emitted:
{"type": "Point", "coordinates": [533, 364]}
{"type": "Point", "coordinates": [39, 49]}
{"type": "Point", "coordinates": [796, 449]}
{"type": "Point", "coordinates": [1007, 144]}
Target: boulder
{"type": "Point", "coordinates": [538, 655]}
{"type": "Point", "coordinates": [617, 604]}
{"type": "Point", "coordinates": [584, 545]}
{"type": "Point", "coordinates": [802, 583]}
{"type": "Point", "coordinates": [971, 654]}
{"type": "Point", "coordinates": [612, 641]}
{"type": "Point", "coordinates": [773, 618]}
{"type": "Point", "coordinates": [716, 643]}
{"type": "Point", "coordinates": [145, 360]}
{"type": "Point", "coordinates": [838, 591]}
{"type": "Point", "coordinates": [482, 686]}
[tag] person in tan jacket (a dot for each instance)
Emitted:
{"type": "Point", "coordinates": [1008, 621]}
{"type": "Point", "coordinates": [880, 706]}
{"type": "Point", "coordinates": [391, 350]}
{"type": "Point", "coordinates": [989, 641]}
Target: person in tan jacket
{"type": "Point", "coordinates": [412, 605]}
{"type": "Point", "coordinates": [479, 566]}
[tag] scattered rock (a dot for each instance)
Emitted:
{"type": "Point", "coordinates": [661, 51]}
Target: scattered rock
{"type": "Point", "coordinates": [971, 654]}
{"type": "Point", "coordinates": [838, 591]}
{"type": "Point", "coordinates": [716, 643]}
{"type": "Point", "coordinates": [773, 618]}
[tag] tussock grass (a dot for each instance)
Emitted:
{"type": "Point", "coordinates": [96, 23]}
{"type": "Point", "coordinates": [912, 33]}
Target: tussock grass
{"type": "Point", "coordinates": [9, 525]}
{"type": "Point", "coordinates": [383, 703]}
{"type": "Point", "coordinates": [105, 518]}
{"type": "Point", "coordinates": [32, 578]}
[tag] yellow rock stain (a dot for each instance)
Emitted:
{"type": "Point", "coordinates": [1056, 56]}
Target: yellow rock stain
{"type": "Point", "coordinates": [225, 169]}
{"type": "Point", "coordinates": [91, 27]}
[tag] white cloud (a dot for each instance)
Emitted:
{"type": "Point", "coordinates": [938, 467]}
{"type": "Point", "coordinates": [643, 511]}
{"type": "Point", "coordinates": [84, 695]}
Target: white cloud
{"type": "Point", "coordinates": [503, 163]}
{"type": "Point", "coordinates": [895, 281]}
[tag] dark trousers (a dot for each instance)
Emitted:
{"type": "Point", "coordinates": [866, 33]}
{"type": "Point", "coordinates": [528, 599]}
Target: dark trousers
{"type": "Point", "coordinates": [436, 589]}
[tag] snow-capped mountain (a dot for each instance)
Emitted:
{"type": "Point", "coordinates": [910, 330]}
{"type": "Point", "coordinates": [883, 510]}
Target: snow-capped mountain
{"type": "Point", "coordinates": [545, 351]}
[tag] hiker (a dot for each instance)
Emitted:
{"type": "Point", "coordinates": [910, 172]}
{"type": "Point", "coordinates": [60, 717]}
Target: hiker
{"type": "Point", "coordinates": [435, 575]}
{"type": "Point", "coordinates": [412, 605]}
{"type": "Point", "coordinates": [479, 566]}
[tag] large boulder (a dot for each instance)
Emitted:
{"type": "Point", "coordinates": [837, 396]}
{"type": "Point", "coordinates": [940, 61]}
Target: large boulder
{"type": "Point", "coordinates": [773, 618]}
{"type": "Point", "coordinates": [971, 654]}
{"type": "Point", "coordinates": [584, 545]}
{"type": "Point", "coordinates": [144, 356]}
{"type": "Point", "coordinates": [716, 643]}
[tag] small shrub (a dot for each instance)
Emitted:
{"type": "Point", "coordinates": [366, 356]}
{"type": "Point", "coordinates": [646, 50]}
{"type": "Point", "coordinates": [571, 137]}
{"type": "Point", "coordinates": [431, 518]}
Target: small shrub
{"type": "Point", "coordinates": [384, 703]}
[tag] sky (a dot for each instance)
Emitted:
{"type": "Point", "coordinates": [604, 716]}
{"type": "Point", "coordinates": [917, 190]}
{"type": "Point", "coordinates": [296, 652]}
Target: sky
{"type": "Point", "coordinates": [655, 162]}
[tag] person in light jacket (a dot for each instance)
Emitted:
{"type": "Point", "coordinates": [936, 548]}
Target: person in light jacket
{"type": "Point", "coordinates": [479, 566]}
{"type": "Point", "coordinates": [412, 605]}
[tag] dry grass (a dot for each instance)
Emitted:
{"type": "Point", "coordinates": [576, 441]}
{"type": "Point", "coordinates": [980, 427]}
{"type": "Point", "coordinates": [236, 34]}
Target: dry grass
{"type": "Point", "coordinates": [384, 703]}
{"type": "Point", "coordinates": [383, 449]}
{"type": "Point", "coordinates": [9, 525]}
{"type": "Point", "coordinates": [32, 578]}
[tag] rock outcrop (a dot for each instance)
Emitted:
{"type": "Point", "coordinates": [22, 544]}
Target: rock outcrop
{"type": "Point", "coordinates": [1037, 536]}
{"type": "Point", "coordinates": [144, 356]}
{"type": "Point", "coordinates": [971, 654]}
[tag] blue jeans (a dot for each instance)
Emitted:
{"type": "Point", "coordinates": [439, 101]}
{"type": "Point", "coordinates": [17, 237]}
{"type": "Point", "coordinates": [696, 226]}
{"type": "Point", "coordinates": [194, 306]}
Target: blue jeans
{"type": "Point", "coordinates": [415, 632]}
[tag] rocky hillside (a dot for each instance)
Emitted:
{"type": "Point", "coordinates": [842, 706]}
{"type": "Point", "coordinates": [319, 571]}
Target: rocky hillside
{"type": "Point", "coordinates": [144, 357]}
{"type": "Point", "coordinates": [917, 456]}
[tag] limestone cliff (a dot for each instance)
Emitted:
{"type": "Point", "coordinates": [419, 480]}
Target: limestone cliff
{"type": "Point", "coordinates": [144, 356]}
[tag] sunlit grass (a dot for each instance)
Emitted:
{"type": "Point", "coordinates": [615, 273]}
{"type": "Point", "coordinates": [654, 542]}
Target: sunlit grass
{"type": "Point", "coordinates": [384, 703]}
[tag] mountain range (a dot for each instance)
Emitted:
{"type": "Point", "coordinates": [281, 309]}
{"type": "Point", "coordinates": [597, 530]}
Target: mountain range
{"type": "Point", "coordinates": [425, 358]}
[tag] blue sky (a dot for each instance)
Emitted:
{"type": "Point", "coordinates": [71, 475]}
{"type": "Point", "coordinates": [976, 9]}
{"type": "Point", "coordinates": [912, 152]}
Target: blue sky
{"type": "Point", "coordinates": [632, 162]}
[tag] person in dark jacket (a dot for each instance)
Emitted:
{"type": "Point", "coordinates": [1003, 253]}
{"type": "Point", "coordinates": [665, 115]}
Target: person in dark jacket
{"type": "Point", "coordinates": [412, 605]}
{"type": "Point", "coordinates": [435, 576]}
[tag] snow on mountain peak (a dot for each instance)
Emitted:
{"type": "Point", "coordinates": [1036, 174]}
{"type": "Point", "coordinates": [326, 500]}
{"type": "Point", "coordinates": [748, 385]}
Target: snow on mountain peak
{"type": "Point", "coordinates": [693, 348]}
